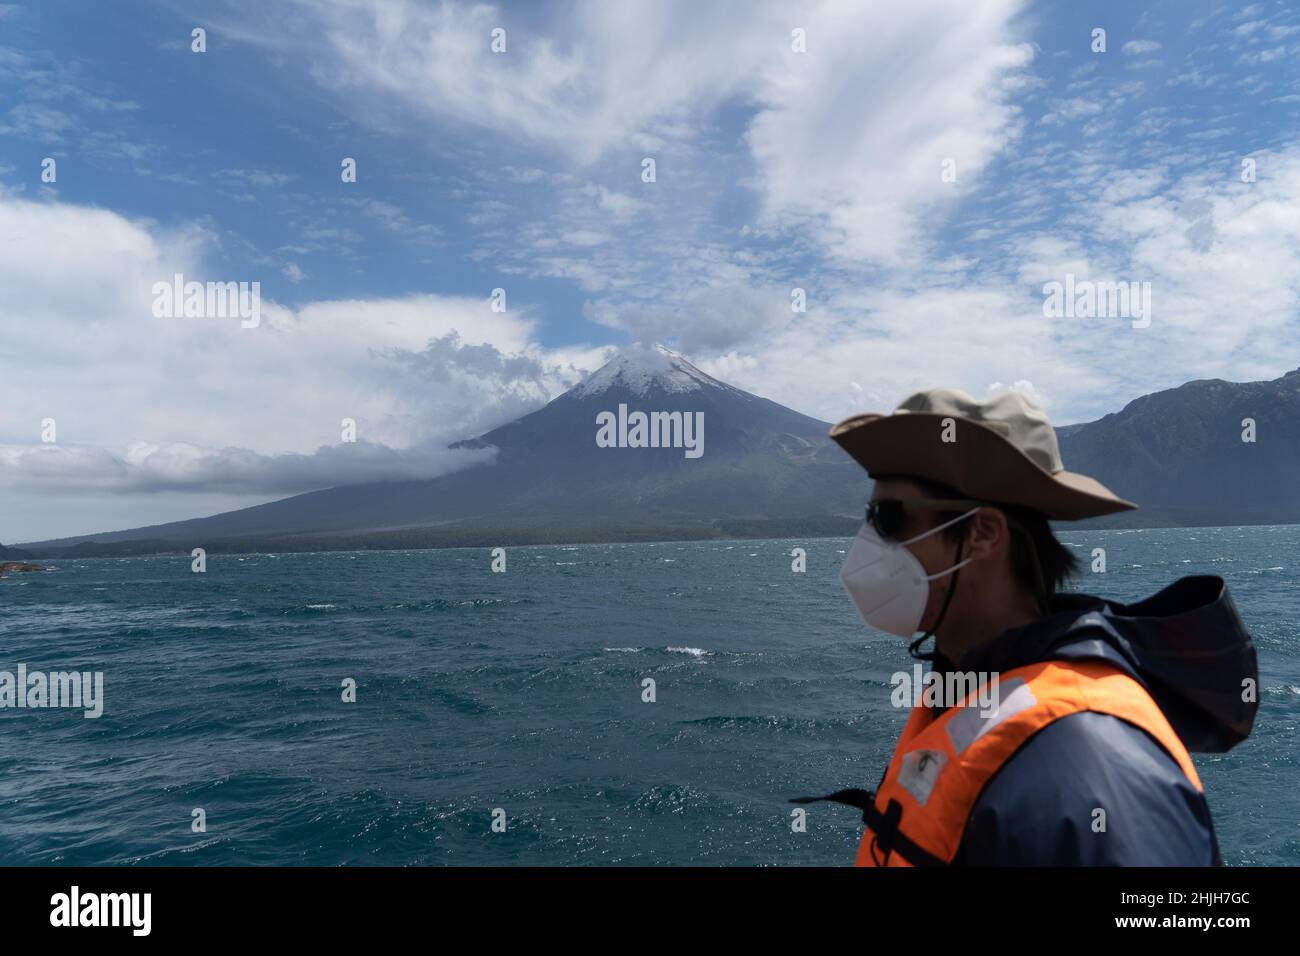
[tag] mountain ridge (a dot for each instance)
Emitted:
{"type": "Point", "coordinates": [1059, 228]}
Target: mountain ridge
{"type": "Point", "coordinates": [767, 471]}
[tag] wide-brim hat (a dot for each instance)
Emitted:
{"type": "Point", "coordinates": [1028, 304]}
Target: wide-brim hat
{"type": "Point", "coordinates": [1002, 451]}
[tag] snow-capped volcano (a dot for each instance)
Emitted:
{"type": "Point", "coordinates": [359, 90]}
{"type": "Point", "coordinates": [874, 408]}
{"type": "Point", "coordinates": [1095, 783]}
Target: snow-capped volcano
{"type": "Point", "coordinates": [763, 469]}
{"type": "Point", "coordinates": [642, 369]}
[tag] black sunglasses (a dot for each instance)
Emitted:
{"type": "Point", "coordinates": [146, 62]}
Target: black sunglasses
{"type": "Point", "coordinates": [888, 515]}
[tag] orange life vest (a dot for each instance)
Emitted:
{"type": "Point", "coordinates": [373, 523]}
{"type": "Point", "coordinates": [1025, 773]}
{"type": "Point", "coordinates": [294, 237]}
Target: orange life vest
{"type": "Point", "coordinates": [941, 764]}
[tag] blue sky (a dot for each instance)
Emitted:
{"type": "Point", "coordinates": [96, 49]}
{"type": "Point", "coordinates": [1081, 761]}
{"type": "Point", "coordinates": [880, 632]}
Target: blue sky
{"type": "Point", "coordinates": [522, 170]}
{"type": "Point", "coordinates": [246, 144]}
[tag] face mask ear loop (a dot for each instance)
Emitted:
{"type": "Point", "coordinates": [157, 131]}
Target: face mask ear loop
{"type": "Point", "coordinates": [914, 649]}
{"type": "Point", "coordinates": [940, 527]}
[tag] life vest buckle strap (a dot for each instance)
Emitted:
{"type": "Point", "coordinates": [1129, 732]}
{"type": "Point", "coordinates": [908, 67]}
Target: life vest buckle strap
{"type": "Point", "coordinates": [862, 799]}
{"type": "Point", "coordinates": [884, 826]}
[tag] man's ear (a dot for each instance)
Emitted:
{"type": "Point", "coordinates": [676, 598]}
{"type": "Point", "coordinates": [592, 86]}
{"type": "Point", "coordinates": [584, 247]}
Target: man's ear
{"type": "Point", "coordinates": [988, 533]}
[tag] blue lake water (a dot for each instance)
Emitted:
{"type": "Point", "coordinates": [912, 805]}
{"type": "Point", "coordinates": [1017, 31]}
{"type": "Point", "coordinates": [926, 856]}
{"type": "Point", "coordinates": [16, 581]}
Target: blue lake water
{"type": "Point", "coordinates": [522, 691]}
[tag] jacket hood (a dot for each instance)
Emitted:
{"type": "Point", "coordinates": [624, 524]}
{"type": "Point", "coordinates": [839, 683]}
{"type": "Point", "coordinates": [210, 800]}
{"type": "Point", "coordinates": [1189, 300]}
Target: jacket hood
{"type": "Point", "coordinates": [1187, 645]}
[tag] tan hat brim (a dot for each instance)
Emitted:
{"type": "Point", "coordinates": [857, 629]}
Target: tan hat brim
{"type": "Point", "coordinates": [980, 463]}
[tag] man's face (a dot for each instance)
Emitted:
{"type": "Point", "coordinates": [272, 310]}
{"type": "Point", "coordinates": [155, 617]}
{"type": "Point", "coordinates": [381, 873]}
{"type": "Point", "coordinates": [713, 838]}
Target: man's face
{"type": "Point", "coordinates": [935, 552]}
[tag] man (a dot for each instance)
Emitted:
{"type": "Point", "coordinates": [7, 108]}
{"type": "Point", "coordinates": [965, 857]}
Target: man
{"type": "Point", "coordinates": [1084, 759]}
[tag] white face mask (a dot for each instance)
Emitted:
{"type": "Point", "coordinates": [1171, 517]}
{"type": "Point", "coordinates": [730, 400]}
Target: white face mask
{"type": "Point", "coordinates": [887, 583]}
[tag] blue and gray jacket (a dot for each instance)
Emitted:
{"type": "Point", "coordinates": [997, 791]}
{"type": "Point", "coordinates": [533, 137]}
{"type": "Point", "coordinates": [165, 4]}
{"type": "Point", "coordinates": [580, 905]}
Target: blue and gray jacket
{"type": "Point", "coordinates": [1188, 647]}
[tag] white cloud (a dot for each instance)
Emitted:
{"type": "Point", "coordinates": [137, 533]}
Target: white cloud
{"type": "Point", "coordinates": [261, 178]}
{"type": "Point", "coordinates": [1222, 257]}
{"type": "Point", "coordinates": [1131, 184]}
{"type": "Point", "coordinates": [35, 121]}
{"type": "Point", "coordinates": [1023, 386]}
{"type": "Point", "coordinates": [618, 205]}
{"type": "Point", "coordinates": [1066, 110]}
{"type": "Point", "coordinates": [707, 320]}
{"type": "Point", "coordinates": [203, 403]}
{"type": "Point", "coordinates": [1139, 47]}
{"type": "Point", "coordinates": [179, 466]}
{"type": "Point", "coordinates": [856, 142]}
{"type": "Point", "coordinates": [847, 140]}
